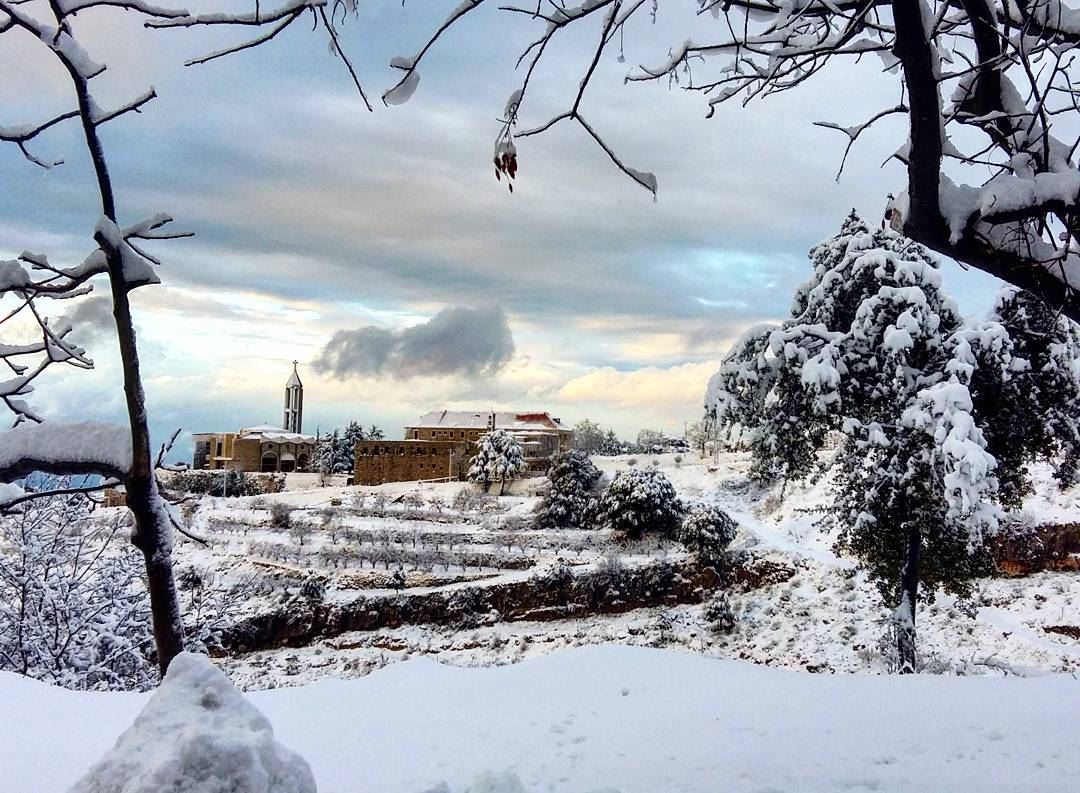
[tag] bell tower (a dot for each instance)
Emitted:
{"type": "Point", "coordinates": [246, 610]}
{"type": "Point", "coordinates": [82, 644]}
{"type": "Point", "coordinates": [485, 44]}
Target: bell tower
{"type": "Point", "coordinates": [293, 419]}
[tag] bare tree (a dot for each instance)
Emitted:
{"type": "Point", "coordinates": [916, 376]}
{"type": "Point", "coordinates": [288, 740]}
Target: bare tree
{"type": "Point", "coordinates": [111, 454]}
{"type": "Point", "coordinates": [1007, 68]}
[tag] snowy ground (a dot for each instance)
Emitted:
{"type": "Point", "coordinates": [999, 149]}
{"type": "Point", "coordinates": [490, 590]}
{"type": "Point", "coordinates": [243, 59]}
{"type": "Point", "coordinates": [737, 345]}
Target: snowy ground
{"type": "Point", "coordinates": [611, 719]}
{"type": "Point", "coordinates": [825, 619]}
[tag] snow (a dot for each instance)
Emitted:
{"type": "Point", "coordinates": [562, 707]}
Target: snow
{"type": "Point", "coordinates": [612, 718]}
{"type": "Point", "coordinates": [196, 734]}
{"type": "Point", "coordinates": [403, 91]}
{"type": "Point", "coordinates": [85, 444]}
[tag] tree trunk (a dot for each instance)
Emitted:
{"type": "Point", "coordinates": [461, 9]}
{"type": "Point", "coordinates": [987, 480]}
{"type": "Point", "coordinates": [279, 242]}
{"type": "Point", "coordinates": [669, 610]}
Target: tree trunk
{"type": "Point", "coordinates": [153, 532]}
{"type": "Point", "coordinates": [909, 594]}
{"type": "Point", "coordinates": [152, 537]}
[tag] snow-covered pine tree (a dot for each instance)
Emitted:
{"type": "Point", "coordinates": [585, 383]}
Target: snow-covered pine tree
{"type": "Point", "coordinates": [344, 451]}
{"type": "Point", "coordinates": [499, 458]}
{"type": "Point", "coordinates": [351, 436]}
{"type": "Point", "coordinates": [571, 500]}
{"type": "Point", "coordinates": [611, 445]}
{"type": "Point", "coordinates": [875, 352]}
{"type": "Point", "coordinates": [639, 501]}
{"type": "Point", "coordinates": [708, 531]}
{"type": "Point", "coordinates": [323, 456]}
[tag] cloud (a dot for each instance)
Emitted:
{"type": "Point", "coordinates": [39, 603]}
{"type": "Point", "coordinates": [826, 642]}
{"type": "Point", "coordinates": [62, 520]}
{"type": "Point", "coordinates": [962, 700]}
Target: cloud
{"type": "Point", "coordinates": [92, 321]}
{"type": "Point", "coordinates": [456, 341]}
{"type": "Point", "coordinates": [653, 386]}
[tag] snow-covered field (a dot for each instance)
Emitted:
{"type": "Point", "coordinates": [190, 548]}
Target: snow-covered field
{"type": "Point", "coordinates": [611, 719]}
{"type": "Point", "coordinates": [650, 700]}
{"type": "Point", "coordinates": [824, 619]}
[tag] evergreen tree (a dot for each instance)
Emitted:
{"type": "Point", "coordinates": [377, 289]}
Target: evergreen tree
{"type": "Point", "coordinates": [335, 454]}
{"type": "Point", "coordinates": [353, 434]}
{"type": "Point", "coordinates": [923, 405]}
{"type": "Point", "coordinates": [708, 531]}
{"type": "Point", "coordinates": [344, 451]}
{"type": "Point", "coordinates": [375, 433]}
{"type": "Point", "coordinates": [322, 459]}
{"type": "Point", "coordinates": [611, 445]}
{"type": "Point", "coordinates": [499, 458]}
{"type": "Point", "coordinates": [571, 500]}
{"type": "Point", "coordinates": [641, 500]}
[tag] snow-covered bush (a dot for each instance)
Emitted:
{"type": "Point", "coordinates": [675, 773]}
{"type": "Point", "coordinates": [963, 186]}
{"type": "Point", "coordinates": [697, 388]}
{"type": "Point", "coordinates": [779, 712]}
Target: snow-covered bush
{"type": "Point", "coordinates": [708, 531]}
{"type": "Point", "coordinates": [571, 499]}
{"type": "Point", "coordinates": [198, 734]}
{"type": "Point", "coordinates": [640, 501]}
{"type": "Point", "coordinates": [499, 458]}
{"type": "Point", "coordinates": [876, 354]}
{"type": "Point", "coordinates": [73, 607]}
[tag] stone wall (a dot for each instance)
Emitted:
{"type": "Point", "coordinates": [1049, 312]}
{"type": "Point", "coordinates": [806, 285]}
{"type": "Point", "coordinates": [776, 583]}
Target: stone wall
{"type": "Point", "coordinates": [378, 462]}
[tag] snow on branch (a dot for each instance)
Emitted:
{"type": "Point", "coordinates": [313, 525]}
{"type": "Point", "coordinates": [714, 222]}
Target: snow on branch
{"type": "Point", "coordinates": [88, 447]}
{"type": "Point", "coordinates": [256, 18]}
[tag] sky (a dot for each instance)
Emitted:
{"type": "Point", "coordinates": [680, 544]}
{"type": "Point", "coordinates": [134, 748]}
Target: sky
{"type": "Point", "coordinates": [378, 249]}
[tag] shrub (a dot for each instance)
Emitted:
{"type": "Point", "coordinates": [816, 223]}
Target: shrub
{"type": "Point", "coordinates": [571, 499]}
{"type": "Point", "coordinates": [640, 501]}
{"type": "Point", "coordinates": [707, 532]}
{"type": "Point", "coordinates": [280, 515]}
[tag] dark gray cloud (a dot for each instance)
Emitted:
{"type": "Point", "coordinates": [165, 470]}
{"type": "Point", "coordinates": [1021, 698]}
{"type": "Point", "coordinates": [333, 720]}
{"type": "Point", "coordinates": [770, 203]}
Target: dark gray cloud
{"type": "Point", "coordinates": [456, 341]}
{"type": "Point", "coordinates": [92, 320]}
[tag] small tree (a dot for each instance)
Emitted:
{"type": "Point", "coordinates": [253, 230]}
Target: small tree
{"type": "Point", "coordinates": [572, 498]}
{"type": "Point", "coordinates": [640, 501]}
{"type": "Point", "coordinates": [708, 531]}
{"type": "Point", "coordinates": [499, 458]}
{"type": "Point", "coordinates": [281, 515]}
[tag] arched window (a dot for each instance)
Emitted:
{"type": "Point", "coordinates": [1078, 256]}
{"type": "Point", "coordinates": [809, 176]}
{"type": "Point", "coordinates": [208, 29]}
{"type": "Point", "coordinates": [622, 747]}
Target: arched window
{"type": "Point", "coordinates": [269, 463]}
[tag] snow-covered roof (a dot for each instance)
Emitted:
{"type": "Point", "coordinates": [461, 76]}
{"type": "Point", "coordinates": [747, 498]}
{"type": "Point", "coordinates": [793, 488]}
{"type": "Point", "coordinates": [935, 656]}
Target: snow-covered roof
{"type": "Point", "coordinates": [294, 379]}
{"type": "Point", "coordinates": [479, 420]}
{"type": "Point", "coordinates": [266, 432]}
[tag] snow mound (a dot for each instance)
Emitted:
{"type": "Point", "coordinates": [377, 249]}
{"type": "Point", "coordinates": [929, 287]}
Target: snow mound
{"type": "Point", "coordinates": [198, 734]}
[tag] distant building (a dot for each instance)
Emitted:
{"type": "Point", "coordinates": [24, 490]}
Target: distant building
{"type": "Point", "coordinates": [264, 449]}
{"type": "Point", "coordinates": [442, 443]}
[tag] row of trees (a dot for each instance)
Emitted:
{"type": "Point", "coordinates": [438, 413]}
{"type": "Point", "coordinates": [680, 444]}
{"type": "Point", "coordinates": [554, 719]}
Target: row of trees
{"type": "Point", "coordinates": [592, 439]}
{"type": "Point", "coordinates": [937, 418]}
{"type": "Point", "coordinates": [336, 452]}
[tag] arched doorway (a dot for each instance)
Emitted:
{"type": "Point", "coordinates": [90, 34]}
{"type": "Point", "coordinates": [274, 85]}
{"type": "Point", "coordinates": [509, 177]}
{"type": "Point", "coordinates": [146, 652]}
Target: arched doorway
{"type": "Point", "coordinates": [302, 462]}
{"type": "Point", "coordinates": [288, 462]}
{"type": "Point", "coordinates": [269, 463]}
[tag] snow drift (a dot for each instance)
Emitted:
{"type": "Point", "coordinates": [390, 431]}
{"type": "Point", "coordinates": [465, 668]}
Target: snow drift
{"type": "Point", "coordinates": [198, 734]}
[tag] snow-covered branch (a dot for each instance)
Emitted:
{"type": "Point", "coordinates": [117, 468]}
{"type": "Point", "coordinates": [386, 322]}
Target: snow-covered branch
{"type": "Point", "coordinates": [88, 447]}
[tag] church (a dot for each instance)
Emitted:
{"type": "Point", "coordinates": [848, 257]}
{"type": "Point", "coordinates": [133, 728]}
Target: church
{"type": "Point", "coordinates": [263, 448]}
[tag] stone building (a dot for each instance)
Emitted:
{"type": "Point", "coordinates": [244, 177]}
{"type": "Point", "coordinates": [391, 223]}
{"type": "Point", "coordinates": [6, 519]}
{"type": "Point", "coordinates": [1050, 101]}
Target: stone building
{"type": "Point", "coordinates": [264, 448]}
{"type": "Point", "coordinates": [541, 435]}
{"type": "Point", "coordinates": [441, 444]}
{"type": "Point", "coordinates": [378, 462]}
